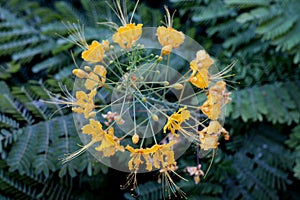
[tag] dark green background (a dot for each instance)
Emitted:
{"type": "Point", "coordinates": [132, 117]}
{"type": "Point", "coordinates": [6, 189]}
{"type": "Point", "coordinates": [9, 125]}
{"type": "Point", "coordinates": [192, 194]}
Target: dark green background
{"type": "Point", "coordinates": [261, 161]}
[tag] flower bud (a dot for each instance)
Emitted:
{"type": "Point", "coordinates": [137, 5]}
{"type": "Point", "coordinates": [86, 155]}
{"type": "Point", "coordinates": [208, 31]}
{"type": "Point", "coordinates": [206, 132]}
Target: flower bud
{"type": "Point", "coordinates": [119, 87]}
{"type": "Point", "coordinates": [135, 138]}
{"type": "Point", "coordinates": [166, 83]}
{"type": "Point", "coordinates": [92, 114]}
{"type": "Point", "coordinates": [166, 50]}
{"type": "Point", "coordinates": [87, 68]}
{"type": "Point", "coordinates": [177, 86]}
{"type": "Point", "coordinates": [155, 117]}
{"type": "Point", "coordinates": [79, 73]}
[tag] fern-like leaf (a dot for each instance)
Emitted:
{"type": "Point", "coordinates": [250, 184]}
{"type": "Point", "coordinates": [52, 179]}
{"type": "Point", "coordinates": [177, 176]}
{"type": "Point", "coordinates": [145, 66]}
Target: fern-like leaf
{"type": "Point", "coordinates": [259, 175]}
{"type": "Point", "coordinates": [277, 102]}
{"type": "Point", "coordinates": [293, 142]}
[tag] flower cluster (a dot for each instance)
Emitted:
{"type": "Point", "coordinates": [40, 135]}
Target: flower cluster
{"type": "Point", "coordinates": [142, 120]}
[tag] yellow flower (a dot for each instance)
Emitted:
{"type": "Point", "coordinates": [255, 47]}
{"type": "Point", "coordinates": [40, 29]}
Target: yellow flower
{"type": "Point", "coordinates": [220, 92]}
{"type": "Point", "coordinates": [201, 79]}
{"type": "Point", "coordinates": [202, 60]}
{"type": "Point", "coordinates": [136, 158]}
{"type": "Point", "coordinates": [200, 76]}
{"type": "Point", "coordinates": [127, 35]}
{"type": "Point", "coordinates": [109, 144]}
{"type": "Point", "coordinates": [208, 141]}
{"type": "Point", "coordinates": [215, 127]}
{"type": "Point", "coordinates": [96, 78]}
{"type": "Point", "coordinates": [84, 102]}
{"type": "Point", "coordinates": [163, 155]}
{"type": "Point", "coordinates": [209, 135]}
{"type": "Point", "coordinates": [211, 107]}
{"type": "Point", "coordinates": [94, 53]}
{"type": "Point", "coordinates": [216, 98]}
{"type": "Point", "coordinates": [158, 156]}
{"type": "Point", "coordinates": [175, 120]}
{"type": "Point", "coordinates": [94, 128]}
{"type": "Point", "coordinates": [168, 37]}
{"type": "Point", "coordinates": [79, 73]}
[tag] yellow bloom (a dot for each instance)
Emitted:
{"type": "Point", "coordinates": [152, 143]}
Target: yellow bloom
{"type": "Point", "coordinates": [175, 120]}
{"type": "Point", "coordinates": [200, 76]}
{"type": "Point", "coordinates": [168, 37]}
{"type": "Point", "coordinates": [163, 155]}
{"type": "Point", "coordinates": [211, 107]}
{"type": "Point", "coordinates": [208, 141]}
{"type": "Point", "coordinates": [127, 35]}
{"type": "Point", "coordinates": [109, 144]}
{"type": "Point", "coordinates": [94, 128]}
{"type": "Point", "coordinates": [85, 103]}
{"type": "Point", "coordinates": [201, 79]}
{"type": "Point", "coordinates": [220, 92]}
{"type": "Point", "coordinates": [216, 98]}
{"type": "Point", "coordinates": [136, 158]}
{"type": "Point", "coordinates": [94, 53]}
{"type": "Point", "coordinates": [96, 78]}
{"type": "Point", "coordinates": [79, 73]}
{"type": "Point", "coordinates": [158, 156]}
{"type": "Point", "coordinates": [214, 128]}
{"type": "Point", "coordinates": [105, 45]}
{"type": "Point", "coordinates": [202, 60]}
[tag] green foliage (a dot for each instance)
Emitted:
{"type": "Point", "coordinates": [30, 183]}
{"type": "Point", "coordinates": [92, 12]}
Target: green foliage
{"type": "Point", "coordinates": [294, 143]}
{"type": "Point", "coordinates": [276, 102]}
{"type": "Point", "coordinates": [263, 35]}
{"type": "Point", "coordinates": [259, 175]}
{"type": "Point", "coordinates": [8, 122]}
{"type": "Point", "coordinates": [41, 145]}
{"type": "Point", "coordinates": [278, 22]}
{"type": "Point", "coordinates": [36, 135]}
{"type": "Point", "coordinates": [11, 106]}
{"type": "Point", "coordinates": [23, 40]}
{"type": "Point", "coordinates": [31, 186]}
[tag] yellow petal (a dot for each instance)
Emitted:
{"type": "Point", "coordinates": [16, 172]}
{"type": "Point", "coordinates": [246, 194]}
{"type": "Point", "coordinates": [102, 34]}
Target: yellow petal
{"type": "Point", "coordinates": [201, 80]}
{"type": "Point", "coordinates": [169, 36]}
{"type": "Point", "coordinates": [92, 81]}
{"type": "Point", "coordinates": [127, 35]}
{"type": "Point", "coordinates": [94, 53]}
